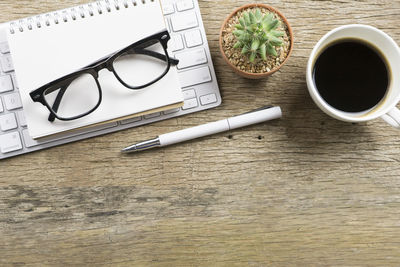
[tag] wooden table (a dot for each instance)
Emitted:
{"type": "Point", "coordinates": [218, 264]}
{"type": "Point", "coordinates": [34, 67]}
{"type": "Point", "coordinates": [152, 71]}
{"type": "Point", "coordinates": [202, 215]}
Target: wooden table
{"type": "Point", "coordinates": [304, 190]}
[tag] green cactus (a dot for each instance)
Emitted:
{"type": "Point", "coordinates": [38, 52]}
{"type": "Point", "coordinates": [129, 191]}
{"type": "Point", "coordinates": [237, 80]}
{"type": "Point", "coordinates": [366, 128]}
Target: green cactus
{"type": "Point", "coordinates": [257, 35]}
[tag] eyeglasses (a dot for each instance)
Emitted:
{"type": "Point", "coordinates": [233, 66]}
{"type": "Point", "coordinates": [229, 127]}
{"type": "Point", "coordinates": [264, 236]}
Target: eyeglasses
{"type": "Point", "coordinates": [78, 94]}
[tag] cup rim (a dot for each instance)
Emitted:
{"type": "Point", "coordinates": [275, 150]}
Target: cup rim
{"type": "Point", "coordinates": [322, 104]}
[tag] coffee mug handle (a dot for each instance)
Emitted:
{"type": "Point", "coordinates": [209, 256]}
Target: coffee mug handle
{"type": "Point", "coordinates": [392, 117]}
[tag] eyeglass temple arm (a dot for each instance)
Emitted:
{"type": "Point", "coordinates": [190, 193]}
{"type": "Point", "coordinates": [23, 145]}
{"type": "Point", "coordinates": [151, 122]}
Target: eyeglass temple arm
{"type": "Point", "coordinates": [173, 61]}
{"type": "Point", "coordinates": [57, 102]}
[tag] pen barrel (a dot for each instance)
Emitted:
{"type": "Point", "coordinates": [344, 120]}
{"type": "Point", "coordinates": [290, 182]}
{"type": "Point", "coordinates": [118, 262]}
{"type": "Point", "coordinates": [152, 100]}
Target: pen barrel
{"type": "Point", "coordinates": [255, 117]}
{"type": "Point", "coordinates": [220, 126]}
{"type": "Point", "coordinates": [194, 132]}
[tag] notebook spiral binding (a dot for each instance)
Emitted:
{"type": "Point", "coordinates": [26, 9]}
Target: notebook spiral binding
{"type": "Point", "coordinates": [63, 16]}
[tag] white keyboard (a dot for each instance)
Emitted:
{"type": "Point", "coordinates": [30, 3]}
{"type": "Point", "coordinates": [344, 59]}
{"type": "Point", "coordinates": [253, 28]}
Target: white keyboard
{"type": "Point", "coordinates": [196, 73]}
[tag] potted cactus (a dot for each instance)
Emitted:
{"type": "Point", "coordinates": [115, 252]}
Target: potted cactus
{"type": "Point", "coordinates": [256, 40]}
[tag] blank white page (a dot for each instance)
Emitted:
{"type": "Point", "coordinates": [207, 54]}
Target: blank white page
{"type": "Point", "coordinates": [44, 54]}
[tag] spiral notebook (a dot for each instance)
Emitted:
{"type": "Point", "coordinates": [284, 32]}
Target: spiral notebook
{"type": "Point", "coordinates": [52, 45]}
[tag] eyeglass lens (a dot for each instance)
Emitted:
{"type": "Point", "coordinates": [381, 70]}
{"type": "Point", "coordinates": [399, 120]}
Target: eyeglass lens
{"type": "Point", "coordinates": [141, 65]}
{"type": "Point", "coordinates": [77, 98]}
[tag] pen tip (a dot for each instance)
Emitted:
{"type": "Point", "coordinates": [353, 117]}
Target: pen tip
{"type": "Point", "coordinates": [128, 149]}
{"type": "Point", "coordinates": [125, 150]}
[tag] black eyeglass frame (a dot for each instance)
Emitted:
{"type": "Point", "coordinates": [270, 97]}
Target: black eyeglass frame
{"type": "Point", "coordinates": [93, 69]}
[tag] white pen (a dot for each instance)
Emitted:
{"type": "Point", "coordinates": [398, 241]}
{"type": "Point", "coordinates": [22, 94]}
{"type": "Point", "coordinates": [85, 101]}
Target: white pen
{"type": "Point", "coordinates": [253, 117]}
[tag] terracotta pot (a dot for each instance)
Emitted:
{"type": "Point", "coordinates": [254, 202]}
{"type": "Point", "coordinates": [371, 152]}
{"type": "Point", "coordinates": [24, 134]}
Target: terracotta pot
{"type": "Point", "coordinates": [248, 74]}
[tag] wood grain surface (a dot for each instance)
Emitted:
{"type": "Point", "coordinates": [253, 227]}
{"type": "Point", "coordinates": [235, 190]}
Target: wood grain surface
{"type": "Point", "coordinates": [306, 190]}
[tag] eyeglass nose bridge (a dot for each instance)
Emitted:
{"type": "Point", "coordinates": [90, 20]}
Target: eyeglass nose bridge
{"type": "Point", "coordinates": [109, 64]}
{"type": "Point", "coordinates": [105, 64]}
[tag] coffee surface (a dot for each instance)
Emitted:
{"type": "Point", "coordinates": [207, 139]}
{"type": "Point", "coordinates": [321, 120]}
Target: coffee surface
{"type": "Point", "coordinates": [351, 75]}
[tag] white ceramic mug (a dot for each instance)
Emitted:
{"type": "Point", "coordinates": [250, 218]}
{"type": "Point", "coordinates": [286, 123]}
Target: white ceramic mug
{"type": "Point", "coordinates": [386, 108]}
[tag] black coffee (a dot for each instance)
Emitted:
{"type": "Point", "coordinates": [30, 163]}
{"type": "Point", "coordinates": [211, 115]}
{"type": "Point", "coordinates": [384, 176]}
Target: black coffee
{"type": "Point", "coordinates": [351, 75]}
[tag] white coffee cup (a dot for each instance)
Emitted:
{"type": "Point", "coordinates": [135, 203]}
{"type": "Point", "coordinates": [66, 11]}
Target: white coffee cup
{"type": "Point", "coordinates": [386, 108]}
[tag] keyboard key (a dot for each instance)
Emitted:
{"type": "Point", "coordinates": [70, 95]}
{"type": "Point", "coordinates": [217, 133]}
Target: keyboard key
{"type": "Point", "coordinates": [167, 24]}
{"type": "Point", "coordinates": [29, 142]}
{"type": "Point", "coordinates": [188, 94]}
{"type": "Point", "coordinates": [6, 84]}
{"type": "Point", "coordinates": [168, 8]}
{"type": "Point", "coordinates": [8, 122]}
{"type": "Point", "coordinates": [171, 111]}
{"type": "Point", "coordinates": [193, 38]}
{"type": "Point", "coordinates": [176, 42]}
{"type": "Point", "coordinates": [196, 76]}
{"type": "Point", "coordinates": [152, 115]}
{"type": "Point", "coordinates": [14, 81]}
{"type": "Point", "coordinates": [208, 99]}
{"type": "Point", "coordinates": [190, 103]}
{"type": "Point", "coordinates": [131, 120]}
{"type": "Point", "coordinates": [6, 63]}
{"type": "Point", "coordinates": [12, 101]}
{"type": "Point", "coordinates": [10, 142]}
{"type": "Point", "coordinates": [183, 5]}
{"type": "Point", "coordinates": [184, 21]}
{"type": "Point", "coordinates": [191, 58]}
{"type": "Point", "coordinates": [21, 118]}
{"type": "Point", "coordinates": [1, 106]}
{"type": "Point", "coordinates": [4, 48]}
